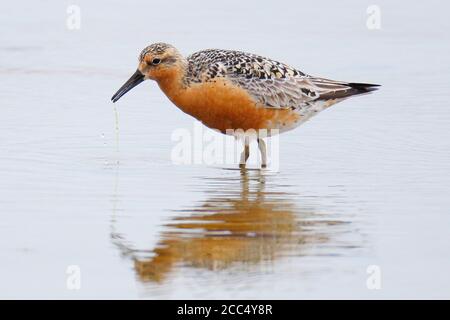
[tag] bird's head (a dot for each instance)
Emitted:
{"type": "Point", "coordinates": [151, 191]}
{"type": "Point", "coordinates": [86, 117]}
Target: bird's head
{"type": "Point", "coordinates": [157, 62]}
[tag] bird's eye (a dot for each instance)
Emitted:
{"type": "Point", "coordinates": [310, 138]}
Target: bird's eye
{"type": "Point", "coordinates": [156, 61]}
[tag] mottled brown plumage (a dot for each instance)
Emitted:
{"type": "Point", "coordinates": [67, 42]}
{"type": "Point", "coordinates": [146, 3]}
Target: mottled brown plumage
{"type": "Point", "coordinates": [230, 90]}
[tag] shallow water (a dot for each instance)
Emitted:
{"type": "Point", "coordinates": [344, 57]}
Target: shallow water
{"type": "Point", "coordinates": [364, 183]}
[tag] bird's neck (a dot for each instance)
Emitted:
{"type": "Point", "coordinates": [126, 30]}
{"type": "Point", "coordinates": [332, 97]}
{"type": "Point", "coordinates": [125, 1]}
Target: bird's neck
{"type": "Point", "coordinates": [173, 83]}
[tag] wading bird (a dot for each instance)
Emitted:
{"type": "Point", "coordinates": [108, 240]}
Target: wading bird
{"type": "Point", "coordinates": [234, 91]}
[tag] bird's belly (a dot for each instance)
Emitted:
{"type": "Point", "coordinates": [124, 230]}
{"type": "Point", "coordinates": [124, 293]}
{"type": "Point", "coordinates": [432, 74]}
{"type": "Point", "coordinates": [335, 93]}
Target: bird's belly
{"type": "Point", "coordinates": [224, 107]}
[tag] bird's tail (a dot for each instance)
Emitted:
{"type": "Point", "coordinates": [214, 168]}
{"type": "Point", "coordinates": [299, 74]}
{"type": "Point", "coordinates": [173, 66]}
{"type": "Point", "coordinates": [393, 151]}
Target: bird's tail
{"type": "Point", "coordinates": [331, 89]}
{"type": "Point", "coordinates": [363, 87]}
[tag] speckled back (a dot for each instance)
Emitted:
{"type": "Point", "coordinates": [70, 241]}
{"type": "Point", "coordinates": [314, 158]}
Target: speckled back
{"type": "Point", "coordinates": [209, 64]}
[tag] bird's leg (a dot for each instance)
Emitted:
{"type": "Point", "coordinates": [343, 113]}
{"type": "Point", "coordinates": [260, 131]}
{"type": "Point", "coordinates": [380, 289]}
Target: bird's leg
{"type": "Point", "coordinates": [262, 149]}
{"type": "Point", "coordinates": [245, 153]}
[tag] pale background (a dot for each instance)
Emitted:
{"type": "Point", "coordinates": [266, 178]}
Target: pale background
{"type": "Point", "coordinates": [364, 183]}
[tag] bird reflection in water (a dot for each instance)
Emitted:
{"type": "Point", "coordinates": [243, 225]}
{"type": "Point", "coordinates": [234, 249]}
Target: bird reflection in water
{"type": "Point", "coordinates": [240, 223]}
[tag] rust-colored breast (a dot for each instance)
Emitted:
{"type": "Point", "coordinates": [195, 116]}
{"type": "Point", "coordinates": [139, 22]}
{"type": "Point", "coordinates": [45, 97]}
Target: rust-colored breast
{"type": "Point", "coordinates": [222, 105]}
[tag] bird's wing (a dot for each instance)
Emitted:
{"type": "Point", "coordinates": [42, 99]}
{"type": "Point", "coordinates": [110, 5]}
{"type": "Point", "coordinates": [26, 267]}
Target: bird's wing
{"type": "Point", "coordinates": [277, 93]}
{"type": "Point", "coordinates": [292, 91]}
{"type": "Point", "coordinates": [271, 83]}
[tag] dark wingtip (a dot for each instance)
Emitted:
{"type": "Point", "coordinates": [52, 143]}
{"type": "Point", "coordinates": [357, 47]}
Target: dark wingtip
{"type": "Point", "coordinates": [364, 87]}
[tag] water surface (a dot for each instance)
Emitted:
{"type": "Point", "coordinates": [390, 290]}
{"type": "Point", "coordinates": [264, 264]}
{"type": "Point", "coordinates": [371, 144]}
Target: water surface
{"type": "Point", "coordinates": [363, 183]}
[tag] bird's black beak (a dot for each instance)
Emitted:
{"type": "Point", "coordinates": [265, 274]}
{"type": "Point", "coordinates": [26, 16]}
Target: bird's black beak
{"type": "Point", "coordinates": [135, 79]}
